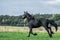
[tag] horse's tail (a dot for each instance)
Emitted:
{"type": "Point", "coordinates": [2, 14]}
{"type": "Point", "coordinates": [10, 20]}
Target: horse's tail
{"type": "Point", "coordinates": [56, 27]}
{"type": "Point", "coordinates": [52, 22]}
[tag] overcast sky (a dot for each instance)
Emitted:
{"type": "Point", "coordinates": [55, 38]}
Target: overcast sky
{"type": "Point", "coordinates": [17, 7]}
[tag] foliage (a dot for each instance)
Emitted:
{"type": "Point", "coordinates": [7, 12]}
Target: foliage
{"type": "Point", "coordinates": [18, 21]}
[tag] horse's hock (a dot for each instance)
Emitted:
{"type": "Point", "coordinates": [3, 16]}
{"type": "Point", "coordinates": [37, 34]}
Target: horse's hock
{"type": "Point", "coordinates": [23, 29]}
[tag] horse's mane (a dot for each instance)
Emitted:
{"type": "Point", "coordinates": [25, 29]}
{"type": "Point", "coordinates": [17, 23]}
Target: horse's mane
{"type": "Point", "coordinates": [29, 15]}
{"type": "Point", "coordinates": [32, 17]}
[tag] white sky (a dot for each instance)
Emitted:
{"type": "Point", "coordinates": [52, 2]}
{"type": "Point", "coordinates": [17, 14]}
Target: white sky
{"type": "Point", "coordinates": [17, 7]}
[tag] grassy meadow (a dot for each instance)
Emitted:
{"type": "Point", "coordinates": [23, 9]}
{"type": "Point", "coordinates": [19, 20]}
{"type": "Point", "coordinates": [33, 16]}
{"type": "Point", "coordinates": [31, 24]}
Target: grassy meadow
{"type": "Point", "coordinates": [23, 36]}
{"type": "Point", "coordinates": [20, 33]}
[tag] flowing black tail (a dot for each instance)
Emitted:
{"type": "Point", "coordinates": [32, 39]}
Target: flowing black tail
{"type": "Point", "coordinates": [52, 22]}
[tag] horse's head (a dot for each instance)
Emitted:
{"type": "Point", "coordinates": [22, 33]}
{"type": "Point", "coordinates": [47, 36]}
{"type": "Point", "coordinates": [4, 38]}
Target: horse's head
{"type": "Point", "coordinates": [26, 15]}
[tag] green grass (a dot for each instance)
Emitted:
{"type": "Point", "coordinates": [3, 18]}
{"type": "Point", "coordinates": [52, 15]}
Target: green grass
{"type": "Point", "coordinates": [23, 36]}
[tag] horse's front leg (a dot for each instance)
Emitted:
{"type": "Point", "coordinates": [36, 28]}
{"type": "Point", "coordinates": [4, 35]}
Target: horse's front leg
{"type": "Point", "coordinates": [34, 34]}
{"type": "Point", "coordinates": [30, 31]}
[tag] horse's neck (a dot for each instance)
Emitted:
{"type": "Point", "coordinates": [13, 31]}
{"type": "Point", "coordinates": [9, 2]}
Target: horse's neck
{"type": "Point", "coordinates": [30, 18]}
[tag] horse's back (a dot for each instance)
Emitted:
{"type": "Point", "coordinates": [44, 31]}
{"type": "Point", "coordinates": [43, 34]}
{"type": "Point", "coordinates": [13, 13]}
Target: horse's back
{"type": "Point", "coordinates": [34, 23]}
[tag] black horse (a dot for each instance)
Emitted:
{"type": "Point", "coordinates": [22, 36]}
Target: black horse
{"type": "Point", "coordinates": [35, 23]}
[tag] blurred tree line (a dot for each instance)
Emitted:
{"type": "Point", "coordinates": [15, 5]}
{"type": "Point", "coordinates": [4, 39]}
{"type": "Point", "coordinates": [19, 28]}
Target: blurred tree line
{"type": "Point", "coordinates": [18, 21]}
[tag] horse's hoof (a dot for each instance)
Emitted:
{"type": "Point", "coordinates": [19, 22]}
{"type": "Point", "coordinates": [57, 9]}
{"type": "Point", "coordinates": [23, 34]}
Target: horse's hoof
{"type": "Point", "coordinates": [50, 36]}
{"type": "Point", "coordinates": [34, 34]}
{"type": "Point", "coordinates": [52, 32]}
{"type": "Point", "coordinates": [28, 36]}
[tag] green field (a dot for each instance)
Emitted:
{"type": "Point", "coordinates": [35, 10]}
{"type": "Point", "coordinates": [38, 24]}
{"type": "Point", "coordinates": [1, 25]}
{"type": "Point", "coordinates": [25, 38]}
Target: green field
{"type": "Point", "coordinates": [23, 36]}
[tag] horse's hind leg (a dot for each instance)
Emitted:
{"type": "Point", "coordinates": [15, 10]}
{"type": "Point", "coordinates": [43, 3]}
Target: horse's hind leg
{"type": "Point", "coordinates": [49, 27]}
{"type": "Point", "coordinates": [48, 31]}
{"type": "Point", "coordinates": [51, 30]}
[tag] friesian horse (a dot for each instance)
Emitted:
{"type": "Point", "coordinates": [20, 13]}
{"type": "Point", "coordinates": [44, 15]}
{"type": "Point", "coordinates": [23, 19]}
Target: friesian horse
{"type": "Point", "coordinates": [35, 23]}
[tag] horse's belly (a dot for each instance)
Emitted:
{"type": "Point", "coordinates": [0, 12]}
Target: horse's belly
{"type": "Point", "coordinates": [35, 26]}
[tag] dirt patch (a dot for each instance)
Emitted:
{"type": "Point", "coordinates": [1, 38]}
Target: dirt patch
{"type": "Point", "coordinates": [23, 29]}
